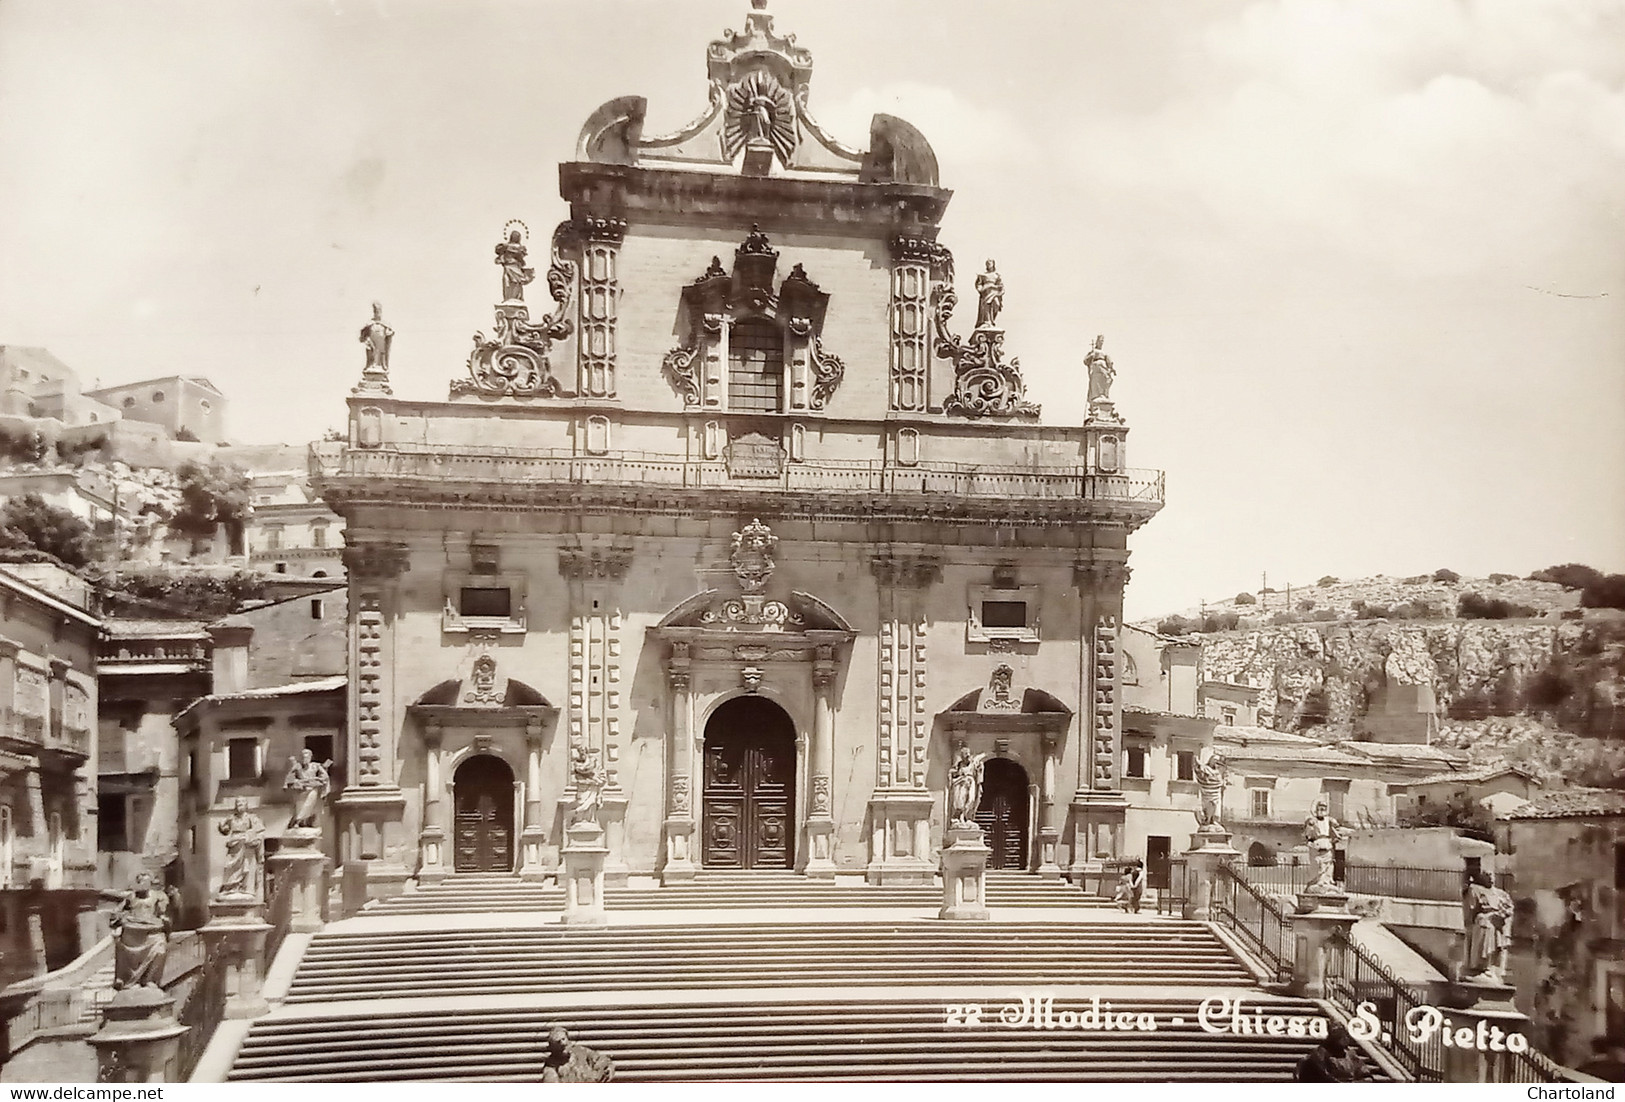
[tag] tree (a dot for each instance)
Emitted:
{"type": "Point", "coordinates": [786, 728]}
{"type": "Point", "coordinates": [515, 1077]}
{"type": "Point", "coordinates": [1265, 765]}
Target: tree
{"type": "Point", "coordinates": [1448, 577]}
{"type": "Point", "coordinates": [30, 523]}
{"type": "Point", "coordinates": [1571, 575]}
{"type": "Point", "coordinates": [1326, 581]}
{"type": "Point", "coordinates": [1246, 599]}
{"type": "Point", "coordinates": [1460, 812]}
{"type": "Point", "coordinates": [212, 495]}
{"type": "Point", "coordinates": [1605, 592]}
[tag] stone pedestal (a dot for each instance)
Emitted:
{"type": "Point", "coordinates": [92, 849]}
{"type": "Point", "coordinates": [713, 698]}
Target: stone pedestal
{"type": "Point", "coordinates": [432, 846]}
{"type": "Point", "coordinates": [612, 817]}
{"type": "Point", "coordinates": [235, 937]}
{"type": "Point", "coordinates": [964, 874]}
{"type": "Point", "coordinates": [679, 865]}
{"type": "Point", "coordinates": [820, 849]}
{"type": "Point", "coordinates": [1210, 851]}
{"type": "Point", "coordinates": [1322, 916]}
{"type": "Point", "coordinates": [533, 865]}
{"type": "Point", "coordinates": [138, 1038]}
{"type": "Point", "coordinates": [299, 871]}
{"type": "Point", "coordinates": [1049, 844]}
{"type": "Point", "coordinates": [583, 855]}
{"type": "Point", "coordinates": [1097, 825]}
{"type": "Point", "coordinates": [900, 838]}
{"type": "Point", "coordinates": [1483, 1024]}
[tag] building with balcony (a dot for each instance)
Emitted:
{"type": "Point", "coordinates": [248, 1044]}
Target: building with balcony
{"type": "Point", "coordinates": [747, 511]}
{"type": "Point", "coordinates": [291, 531]}
{"type": "Point", "coordinates": [47, 781]}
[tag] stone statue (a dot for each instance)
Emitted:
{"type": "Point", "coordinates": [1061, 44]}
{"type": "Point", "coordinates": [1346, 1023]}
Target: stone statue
{"type": "Point", "coordinates": [588, 778]}
{"type": "Point", "coordinates": [377, 336]}
{"type": "Point", "coordinates": [308, 778]}
{"type": "Point", "coordinates": [244, 873]}
{"type": "Point", "coordinates": [1486, 918]}
{"type": "Point", "coordinates": [1323, 834]}
{"type": "Point", "coordinates": [990, 296]}
{"type": "Point", "coordinates": [569, 1062]}
{"type": "Point", "coordinates": [511, 257]}
{"type": "Point", "coordinates": [1101, 373]}
{"type": "Point", "coordinates": [1209, 769]}
{"type": "Point", "coordinates": [141, 932]}
{"type": "Point", "coordinates": [965, 786]}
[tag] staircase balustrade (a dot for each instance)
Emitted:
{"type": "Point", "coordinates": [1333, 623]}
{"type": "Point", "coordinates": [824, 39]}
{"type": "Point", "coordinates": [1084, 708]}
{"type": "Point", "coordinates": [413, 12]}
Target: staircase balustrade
{"type": "Point", "coordinates": [1256, 919]}
{"type": "Point", "coordinates": [1356, 979]}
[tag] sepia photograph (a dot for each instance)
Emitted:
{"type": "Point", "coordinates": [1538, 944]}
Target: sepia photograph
{"type": "Point", "coordinates": [547, 541]}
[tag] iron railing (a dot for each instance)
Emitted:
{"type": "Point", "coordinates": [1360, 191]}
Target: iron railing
{"type": "Point", "coordinates": [1359, 985]}
{"type": "Point", "coordinates": [1255, 919]}
{"type": "Point", "coordinates": [1395, 881]}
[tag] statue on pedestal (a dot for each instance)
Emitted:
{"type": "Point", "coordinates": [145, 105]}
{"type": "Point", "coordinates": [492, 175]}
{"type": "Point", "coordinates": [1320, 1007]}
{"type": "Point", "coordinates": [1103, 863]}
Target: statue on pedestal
{"type": "Point", "coordinates": [965, 786]}
{"type": "Point", "coordinates": [1486, 918]}
{"type": "Point", "coordinates": [310, 780]}
{"type": "Point", "coordinates": [377, 337]}
{"type": "Point", "coordinates": [1101, 373]}
{"type": "Point", "coordinates": [588, 778]}
{"type": "Point", "coordinates": [511, 258]}
{"type": "Point", "coordinates": [244, 873]}
{"type": "Point", "coordinates": [990, 297]}
{"type": "Point", "coordinates": [1323, 834]}
{"type": "Point", "coordinates": [141, 932]}
{"type": "Point", "coordinates": [1209, 770]}
{"type": "Point", "coordinates": [569, 1062]}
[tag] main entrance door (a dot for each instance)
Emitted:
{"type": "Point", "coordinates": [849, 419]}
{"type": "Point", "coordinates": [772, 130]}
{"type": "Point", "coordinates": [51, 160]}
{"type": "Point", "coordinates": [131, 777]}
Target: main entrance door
{"type": "Point", "coordinates": [750, 787]}
{"type": "Point", "coordinates": [1002, 814]}
{"type": "Point", "coordinates": [482, 797]}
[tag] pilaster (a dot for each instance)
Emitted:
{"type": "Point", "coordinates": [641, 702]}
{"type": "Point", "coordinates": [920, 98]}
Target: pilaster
{"type": "Point", "coordinates": [601, 240]}
{"type": "Point", "coordinates": [909, 321]}
{"type": "Point", "coordinates": [1098, 805]}
{"type": "Point", "coordinates": [679, 825]}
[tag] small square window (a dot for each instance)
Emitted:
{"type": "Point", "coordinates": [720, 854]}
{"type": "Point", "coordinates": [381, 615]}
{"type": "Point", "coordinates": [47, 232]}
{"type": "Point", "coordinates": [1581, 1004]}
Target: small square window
{"type": "Point", "coordinates": [1004, 614]}
{"type": "Point", "coordinates": [243, 759]}
{"type": "Point", "coordinates": [320, 747]}
{"type": "Point", "coordinates": [485, 601]}
{"type": "Point", "coordinates": [1134, 762]}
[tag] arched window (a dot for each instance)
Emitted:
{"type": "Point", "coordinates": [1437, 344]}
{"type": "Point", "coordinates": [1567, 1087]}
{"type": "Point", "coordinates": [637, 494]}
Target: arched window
{"type": "Point", "coordinates": [1260, 856]}
{"type": "Point", "coordinates": [756, 367]}
{"type": "Point", "coordinates": [157, 396]}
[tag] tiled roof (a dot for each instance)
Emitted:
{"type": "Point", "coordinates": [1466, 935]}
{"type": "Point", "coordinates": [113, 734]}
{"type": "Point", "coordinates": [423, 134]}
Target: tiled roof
{"type": "Point", "coordinates": [1403, 751]}
{"type": "Point", "coordinates": [1574, 803]}
{"type": "Point", "coordinates": [122, 627]}
{"type": "Point", "coordinates": [1247, 735]}
{"type": "Point", "coordinates": [1473, 776]}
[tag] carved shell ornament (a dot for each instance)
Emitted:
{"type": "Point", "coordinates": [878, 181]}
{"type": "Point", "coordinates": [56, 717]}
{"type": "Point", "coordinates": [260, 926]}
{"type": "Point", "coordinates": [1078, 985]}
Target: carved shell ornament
{"type": "Point", "coordinates": [752, 556]}
{"type": "Point", "coordinates": [759, 110]}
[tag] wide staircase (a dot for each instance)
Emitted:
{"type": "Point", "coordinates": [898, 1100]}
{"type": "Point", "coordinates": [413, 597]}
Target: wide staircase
{"type": "Point", "coordinates": [406, 993]}
{"type": "Point", "coordinates": [712, 889]}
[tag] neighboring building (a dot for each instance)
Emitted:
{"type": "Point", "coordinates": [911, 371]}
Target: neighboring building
{"type": "Point", "coordinates": [1567, 853]}
{"type": "Point", "coordinates": [1160, 673]}
{"type": "Point", "coordinates": [1400, 713]}
{"type": "Point", "coordinates": [771, 572]}
{"type": "Point", "coordinates": [1501, 788]}
{"type": "Point", "coordinates": [291, 531]}
{"type": "Point", "coordinates": [87, 494]}
{"type": "Point", "coordinates": [34, 383]}
{"type": "Point", "coordinates": [1233, 705]}
{"type": "Point", "coordinates": [47, 787]}
{"type": "Point", "coordinates": [301, 637]}
{"type": "Point", "coordinates": [186, 404]}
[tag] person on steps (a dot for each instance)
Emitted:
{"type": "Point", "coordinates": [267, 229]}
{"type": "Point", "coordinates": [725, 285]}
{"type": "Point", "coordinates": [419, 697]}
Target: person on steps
{"type": "Point", "coordinates": [1334, 1060]}
{"type": "Point", "coordinates": [569, 1062]}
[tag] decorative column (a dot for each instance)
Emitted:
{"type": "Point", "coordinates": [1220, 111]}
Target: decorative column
{"type": "Point", "coordinates": [909, 320]}
{"type": "Point", "coordinates": [1098, 804]}
{"type": "Point", "coordinates": [679, 864]}
{"type": "Point", "coordinates": [901, 807]}
{"type": "Point", "coordinates": [820, 841]}
{"type": "Point", "coordinates": [600, 296]}
{"type": "Point", "coordinates": [432, 838]}
{"type": "Point", "coordinates": [1049, 834]}
{"type": "Point", "coordinates": [372, 806]}
{"type": "Point", "coordinates": [533, 838]}
{"type": "Point", "coordinates": [594, 575]}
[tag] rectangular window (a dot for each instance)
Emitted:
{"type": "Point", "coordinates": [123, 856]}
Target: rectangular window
{"type": "Point", "coordinates": [318, 536]}
{"type": "Point", "coordinates": [484, 601]}
{"type": "Point", "coordinates": [1261, 803]}
{"type": "Point", "coordinates": [1229, 717]}
{"type": "Point", "coordinates": [1619, 868]}
{"type": "Point", "coordinates": [1185, 765]}
{"type": "Point", "coordinates": [315, 608]}
{"type": "Point", "coordinates": [242, 759]}
{"type": "Point", "coordinates": [1134, 762]}
{"type": "Point", "coordinates": [755, 367]}
{"type": "Point", "coordinates": [320, 747]}
{"type": "Point", "coordinates": [273, 539]}
{"type": "Point", "coordinates": [112, 823]}
{"type": "Point", "coordinates": [1004, 614]}
{"type": "Point", "coordinates": [1336, 799]}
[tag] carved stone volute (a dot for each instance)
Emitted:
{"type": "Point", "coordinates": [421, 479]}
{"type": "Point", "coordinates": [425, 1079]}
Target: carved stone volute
{"type": "Point", "coordinates": [376, 561]}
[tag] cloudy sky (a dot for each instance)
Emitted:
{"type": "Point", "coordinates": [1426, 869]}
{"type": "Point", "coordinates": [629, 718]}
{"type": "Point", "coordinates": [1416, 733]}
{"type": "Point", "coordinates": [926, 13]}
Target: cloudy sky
{"type": "Point", "coordinates": [1360, 263]}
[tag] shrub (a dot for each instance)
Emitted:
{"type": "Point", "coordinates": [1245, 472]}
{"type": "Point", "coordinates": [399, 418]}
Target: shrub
{"type": "Point", "coordinates": [1500, 579]}
{"type": "Point", "coordinates": [1221, 621]}
{"type": "Point", "coordinates": [1246, 599]}
{"type": "Point", "coordinates": [1327, 580]}
{"type": "Point", "coordinates": [1448, 577]}
{"type": "Point", "coordinates": [1173, 625]}
{"type": "Point", "coordinates": [1315, 709]}
{"type": "Point", "coordinates": [1474, 606]}
{"type": "Point", "coordinates": [1571, 575]}
{"type": "Point", "coordinates": [1546, 690]}
{"type": "Point", "coordinates": [1472, 704]}
{"type": "Point", "coordinates": [1606, 592]}
{"type": "Point", "coordinates": [1306, 604]}
{"type": "Point", "coordinates": [1464, 814]}
{"type": "Point", "coordinates": [174, 593]}
{"type": "Point", "coordinates": [212, 495]}
{"type": "Point", "coordinates": [30, 523]}
{"type": "Point", "coordinates": [186, 435]}
{"type": "Point", "coordinates": [1268, 589]}
{"type": "Point", "coordinates": [1416, 579]}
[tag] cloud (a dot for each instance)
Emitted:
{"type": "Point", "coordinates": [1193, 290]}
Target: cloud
{"type": "Point", "coordinates": [961, 132]}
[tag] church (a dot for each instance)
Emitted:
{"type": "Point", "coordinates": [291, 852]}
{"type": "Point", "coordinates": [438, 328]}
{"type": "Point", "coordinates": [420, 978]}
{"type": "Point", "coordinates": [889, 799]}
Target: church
{"type": "Point", "coordinates": [739, 505]}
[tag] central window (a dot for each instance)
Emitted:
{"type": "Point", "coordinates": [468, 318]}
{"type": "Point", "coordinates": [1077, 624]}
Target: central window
{"type": "Point", "coordinates": [1004, 614]}
{"type": "Point", "coordinates": [756, 367]}
{"type": "Point", "coordinates": [485, 601]}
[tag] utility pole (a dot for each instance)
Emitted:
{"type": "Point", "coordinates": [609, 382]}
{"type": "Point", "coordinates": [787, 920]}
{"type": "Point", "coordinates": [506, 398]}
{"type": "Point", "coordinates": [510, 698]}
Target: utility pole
{"type": "Point", "coordinates": [1264, 591]}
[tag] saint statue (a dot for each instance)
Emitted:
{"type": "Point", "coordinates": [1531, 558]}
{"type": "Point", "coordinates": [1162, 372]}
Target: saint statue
{"type": "Point", "coordinates": [1209, 769]}
{"type": "Point", "coordinates": [1322, 833]}
{"type": "Point", "coordinates": [965, 786]}
{"type": "Point", "coordinates": [309, 779]}
{"type": "Point", "coordinates": [376, 336]}
{"type": "Point", "coordinates": [588, 778]}
{"type": "Point", "coordinates": [569, 1062]}
{"type": "Point", "coordinates": [1486, 918]}
{"type": "Point", "coordinates": [511, 258]}
{"type": "Point", "coordinates": [141, 932]}
{"type": "Point", "coordinates": [990, 297]}
{"type": "Point", "coordinates": [1101, 372]}
{"type": "Point", "coordinates": [244, 872]}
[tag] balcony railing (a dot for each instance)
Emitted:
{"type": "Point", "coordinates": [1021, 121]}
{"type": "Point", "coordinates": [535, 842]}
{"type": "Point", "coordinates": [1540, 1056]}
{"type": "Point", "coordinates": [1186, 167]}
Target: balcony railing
{"type": "Point", "coordinates": [119, 651]}
{"type": "Point", "coordinates": [418, 463]}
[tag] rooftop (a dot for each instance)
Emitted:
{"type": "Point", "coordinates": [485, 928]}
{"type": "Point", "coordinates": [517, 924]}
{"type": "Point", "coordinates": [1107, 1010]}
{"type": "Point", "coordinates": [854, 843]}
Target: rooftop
{"type": "Point", "coordinates": [1575, 803]}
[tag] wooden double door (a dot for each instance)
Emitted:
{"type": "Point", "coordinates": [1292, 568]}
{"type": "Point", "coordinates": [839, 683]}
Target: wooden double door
{"type": "Point", "coordinates": [482, 813]}
{"type": "Point", "coordinates": [1003, 813]}
{"type": "Point", "coordinates": [749, 790]}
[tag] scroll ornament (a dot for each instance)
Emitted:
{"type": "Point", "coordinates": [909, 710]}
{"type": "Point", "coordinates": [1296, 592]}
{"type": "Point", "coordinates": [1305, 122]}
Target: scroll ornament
{"type": "Point", "coordinates": [513, 362]}
{"type": "Point", "coordinates": [985, 383]}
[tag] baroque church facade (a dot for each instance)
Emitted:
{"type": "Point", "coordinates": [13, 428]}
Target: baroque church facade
{"type": "Point", "coordinates": [736, 505]}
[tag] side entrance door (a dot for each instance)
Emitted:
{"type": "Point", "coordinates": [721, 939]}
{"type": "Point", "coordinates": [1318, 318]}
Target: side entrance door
{"type": "Point", "coordinates": [1002, 814]}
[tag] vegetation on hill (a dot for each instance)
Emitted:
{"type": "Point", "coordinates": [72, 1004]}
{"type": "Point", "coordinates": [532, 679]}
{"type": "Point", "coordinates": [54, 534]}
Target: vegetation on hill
{"type": "Point", "coordinates": [165, 592]}
{"type": "Point", "coordinates": [31, 524]}
{"type": "Point", "coordinates": [213, 494]}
